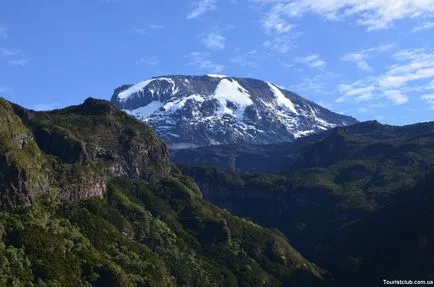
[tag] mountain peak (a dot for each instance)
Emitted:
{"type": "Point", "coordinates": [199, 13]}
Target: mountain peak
{"type": "Point", "coordinates": [219, 109]}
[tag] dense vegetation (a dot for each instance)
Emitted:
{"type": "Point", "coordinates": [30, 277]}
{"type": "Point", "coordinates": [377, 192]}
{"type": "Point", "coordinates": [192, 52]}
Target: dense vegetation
{"type": "Point", "coordinates": [89, 198]}
{"type": "Point", "coordinates": [356, 200]}
{"type": "Point", "coordinates": [142, 234]}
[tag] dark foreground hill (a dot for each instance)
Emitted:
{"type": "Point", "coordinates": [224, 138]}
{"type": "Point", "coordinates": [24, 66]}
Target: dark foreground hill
{"type": "Point", "coordinates": [357, 200]}
{"type": "Point", "coordinates": [90, 198]}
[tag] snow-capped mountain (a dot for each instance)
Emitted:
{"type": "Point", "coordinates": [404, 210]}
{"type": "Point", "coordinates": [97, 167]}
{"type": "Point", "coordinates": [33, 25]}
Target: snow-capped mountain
{"type": "Point", "coordinates": [188, 111]}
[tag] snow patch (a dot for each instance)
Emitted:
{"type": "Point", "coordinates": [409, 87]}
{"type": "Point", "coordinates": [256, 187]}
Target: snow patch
{"type": "Point", "coordinates": [133, 89]}
{"type": "Point", "coordinates": [299, 134]}
{"type": "Point", "coordinates": [232, 91]}
{"type": "Point", "coordinates": [146, 111]}
{"type": "Point", "coordinates": [180, 103]}
{"type": "Point", "coordinates": [281, 99]}
{"type": "Point", "coordinates": [319, 120]}
{"type": "Point", "coordinates": [142, 85]}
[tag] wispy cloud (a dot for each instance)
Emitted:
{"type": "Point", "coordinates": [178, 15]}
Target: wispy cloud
{"type": "Point", "coordinates": [8, 53]}
{"type": "Point", "coordinates": [360, 57]}
{"type": "Point", "coordinates": [396, 96]}
{"type": "Point", "coordinates": [13, 57]}
{"type": "Point", "coordinates": [372, 14]}
{"type": "Point", "coordinates": [281, 34]}
{"type": "Point", "coordinates": [248, 59]}
{"type": "Point", "coordinates": [318, 83]}
{"type": "Point", "coordinates": [152, 61]}
{"type": "Point", "coordinates": [313, 61]}
{"type": "Point", "coordinates": [283, 43]}
{"type": "Point", "coordinates": [213, 41]}
{"type": "Point", "coordinates": [357, 90]}
{"type": "Point", "coordinates": [155, 26]}
{"type": "Point", "coordinates": [414, 65]}
{"type": "Point", "coordinates": [148, 30]}
{"type": "Point", "coordinates": [20, 62]}
{"type": "Point", "coordinates": [201, 7]}
{"type": "Point", "coordinates": [363, 91]}
{"type": "Point", "coordinates": [45, 107]}
{"type": "Point", "coordinates": [273, 23]}
{"type": "Point", "coordinates": [413, 72]}
{"type": "Point", "coordinates": [201, 60]}
{"type": "Point", "coordinates": [424, 26]}
{"type": "Point", "coordinates": [429, 99]}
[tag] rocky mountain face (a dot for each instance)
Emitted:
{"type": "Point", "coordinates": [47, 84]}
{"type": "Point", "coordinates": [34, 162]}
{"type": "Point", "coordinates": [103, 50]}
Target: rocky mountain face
{"type": "Point", "coordinates": [190, 111]}
{"type": "Point", "coordinates": [88, 197]}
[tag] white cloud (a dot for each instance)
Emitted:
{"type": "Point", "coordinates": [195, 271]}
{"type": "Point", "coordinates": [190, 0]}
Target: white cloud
{"type": "Point", "coordinates": [14, 57]}
{"type": "Point", "coordinates": [8, 53]}
{"type": "Point", "coordinates": [273, 23]}
{"type": "Point", "coordinates": [357, 91]}
{"type": "Point", "coordinates": [360, 60]}
{"type": "Point", "coordinates": [155, 26]}
{"type": "Point", "coordinates": [248, 59]}
{"type": "Point", "coordinates": [418, 65]}
{"type": "Point", "coordinates": [153, 61]}
{"type": "Point", "coordinates": [201, 61]}
{"type": "Point", "coordinates": [148, 30]}
{"type": "Point", "coordinates": [372, 14]}
{"type": "Point", "coordinates": [214, 41]}
{"type": "Point", "coordinates": [282, 43]}
{"type": "Point", "coordinates": [318, 83]}
{"type": "Point", "coordinates": [20, 62]}
{"type": "Point", "coordinates": [313, 61]}
{"type": "Point", "coordinates": [281, 33]}
{"type": "Point", "coordinates": [201, 7]}
{"type": "Point", "coordinates": [45, 107]}
{"type": "Point", "coordinates": [287, 65]}
{"type": "Point", "coordinates": [360, 57]}
{"type": "Point", "coordinates": [396, 97]}
{"type": "Point", "coordinates": [424, 26]}
{"type": "Point", "coordinates": [413, 72]}
{"type": "Point", "coordinates": [429, 99]}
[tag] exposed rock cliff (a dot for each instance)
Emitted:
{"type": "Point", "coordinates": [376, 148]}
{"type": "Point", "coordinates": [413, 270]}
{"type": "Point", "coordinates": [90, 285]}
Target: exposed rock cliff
{"type": "Point", "coordinates": [76, 150]}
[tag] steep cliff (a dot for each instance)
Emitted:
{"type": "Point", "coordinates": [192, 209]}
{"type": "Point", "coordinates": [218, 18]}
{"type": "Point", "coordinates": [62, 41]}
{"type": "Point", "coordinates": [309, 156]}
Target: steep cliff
{"type": "Point", "coordinates": [76, 150]}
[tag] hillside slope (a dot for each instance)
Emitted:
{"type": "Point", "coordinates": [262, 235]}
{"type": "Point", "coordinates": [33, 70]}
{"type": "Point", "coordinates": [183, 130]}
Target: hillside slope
{"type": "Point", "coordinates": [89, 198]}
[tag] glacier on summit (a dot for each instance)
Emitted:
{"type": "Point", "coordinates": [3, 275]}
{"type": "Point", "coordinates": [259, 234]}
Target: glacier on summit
{"type": "Point", "coordinates": [188, 111]}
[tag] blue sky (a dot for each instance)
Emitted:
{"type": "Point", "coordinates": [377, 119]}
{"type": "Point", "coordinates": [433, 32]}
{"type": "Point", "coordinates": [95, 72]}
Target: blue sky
{"type": "Point", "coordinates": [367, 58]}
